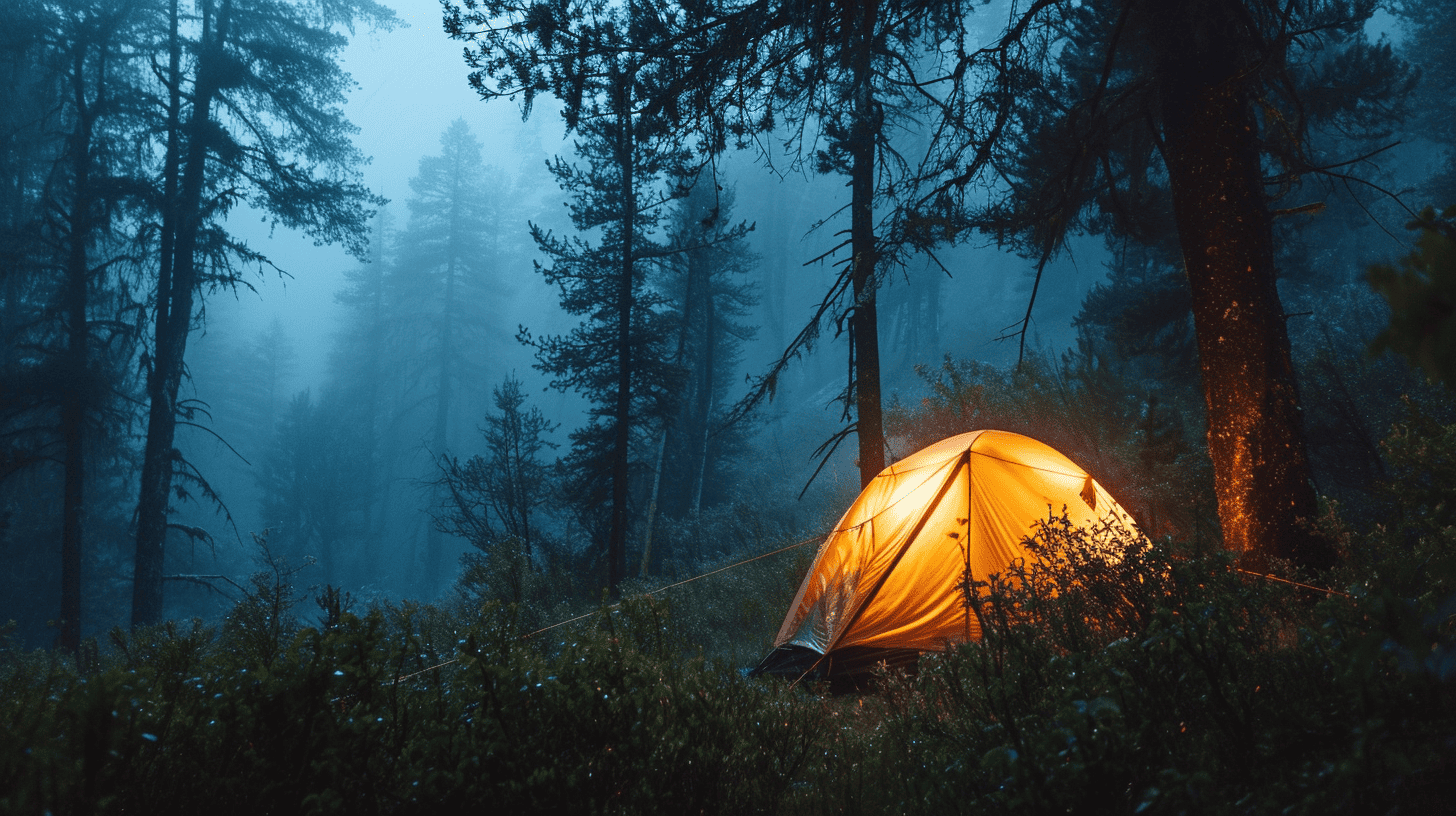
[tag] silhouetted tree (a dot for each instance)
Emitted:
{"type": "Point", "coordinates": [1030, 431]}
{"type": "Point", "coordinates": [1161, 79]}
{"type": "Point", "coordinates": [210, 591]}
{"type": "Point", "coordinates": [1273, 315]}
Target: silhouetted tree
{"type": "Point", "coordinates": [1427, 42]}
{"type": "Point", "coordinates": [442, 286]}
{"type": "Point", "coordinates": [619, 357]}
{"type": "Point", "coordinates": [494, 495]}
{"type": "Point", "coordinates": [710, 299]}
{"type": "Point", "coordinates": [360, 368]}
{"type": "Point", "coordinates": [1181, 102]}
{"type": "Point", "coordinates": [306, 478]}
{"type": "Point", "coordinates": [70, 176]}
{"type": "Point", "coordinates": [283, 142]}
{"type": "Point", "coordinates": [592, 58]}
{"type": "Point", "coordinates": [704, 301]}
{"type": "Point", "coordinates": [842, 80]}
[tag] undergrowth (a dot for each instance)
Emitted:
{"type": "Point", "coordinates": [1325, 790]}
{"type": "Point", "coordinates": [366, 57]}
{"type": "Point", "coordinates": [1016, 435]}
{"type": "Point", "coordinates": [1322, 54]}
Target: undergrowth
{"type": "Point", "coordinates": [1116, 674]}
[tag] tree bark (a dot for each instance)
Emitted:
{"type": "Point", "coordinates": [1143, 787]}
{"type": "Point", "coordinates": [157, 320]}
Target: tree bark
{"type": "Point", "coordinates": [176, 286]}
{"type": "Point", "coordinates": [1255, 433]}
{"type": "Point", "coordinates": [622, 432]}
{"type": "Point", "coordinates": [864, 321]}
{"type": "Point", "coordinates": [78, 332]}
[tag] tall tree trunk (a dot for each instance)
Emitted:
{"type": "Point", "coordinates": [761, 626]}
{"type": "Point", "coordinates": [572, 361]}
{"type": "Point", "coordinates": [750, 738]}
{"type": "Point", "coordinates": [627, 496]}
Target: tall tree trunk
{"type": "Point", "coordinates": [652, 502]}
{"type": "Point", "coordinates": [622, 432]}
{"type": "Point", "coordinates": [78, 332]}
{"type": "Point", "coordinates": [689, 304]}
{"type": "Point", "coordinates": [375, 495]}
{"type": "Point", "coordinates": [176, 286]}
{"type": "Point", "coordinates": [864, 322]}
{"type": "Point", "coordinates": [434, 539]}
{"type": "Point", "coordinates": [1255, 433]}
{"type": "Point", "coordinates": [705, 398]}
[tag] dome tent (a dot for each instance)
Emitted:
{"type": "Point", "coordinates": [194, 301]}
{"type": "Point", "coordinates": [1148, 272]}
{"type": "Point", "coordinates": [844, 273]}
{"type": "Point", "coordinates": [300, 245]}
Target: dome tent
{"type": "Point", "coordinates": [885, 585]}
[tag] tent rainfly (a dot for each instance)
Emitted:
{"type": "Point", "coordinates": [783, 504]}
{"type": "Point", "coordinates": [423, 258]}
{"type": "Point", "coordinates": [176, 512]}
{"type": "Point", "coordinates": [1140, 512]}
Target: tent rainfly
{"type": "Point", "coordinates": [884, 586]}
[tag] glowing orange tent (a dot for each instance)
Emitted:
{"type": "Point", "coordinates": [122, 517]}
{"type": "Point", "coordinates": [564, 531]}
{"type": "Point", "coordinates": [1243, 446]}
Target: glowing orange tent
{"type": "Point", "coordinates": [885, 584]}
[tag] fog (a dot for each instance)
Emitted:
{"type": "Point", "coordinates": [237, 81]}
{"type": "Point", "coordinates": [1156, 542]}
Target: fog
{"type": "Point", "coordinates": [412, 84]}
{"type": "Point", "coordinates": [342, 421]}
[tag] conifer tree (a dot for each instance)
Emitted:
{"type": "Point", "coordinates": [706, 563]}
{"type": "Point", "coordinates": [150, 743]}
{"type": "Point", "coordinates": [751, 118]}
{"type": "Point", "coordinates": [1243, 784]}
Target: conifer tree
{"type": "Point", "coordinates": [710, 300]}
{"type": "Point", "coordinates": [595, 58]}
{"type": "Point", "coordinates": [842, 80]}
{"type": "Point", "coordinates": [1428, 44]}
{"type": "Point", "coordinates": [360, 385]}
{"type": "Point", "coordinates": [284, 144]}
{"type": "Point", "coordinates": [81, 340]}
{"type": "Point", "coordinates": [619, 356]}
{"type": "Point", "coordinates": [308, 500]}
{"type": "Point", "coordinates": [494, 495]}
{"type": "Point", "coordinates": [442, 285]}
{"type": "Point", "coordinates": [1135, 111]}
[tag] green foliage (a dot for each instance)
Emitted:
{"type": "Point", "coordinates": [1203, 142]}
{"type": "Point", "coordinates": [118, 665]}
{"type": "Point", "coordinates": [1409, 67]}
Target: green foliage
{"type": "Point", "coordinates": [490, 499]}
{"type": "Point", "coordinates": [1116, 674]}
{"type": "Point", "coordinates": [1165, 681]}
{"type": "Point", "coordinates": [401, 709]}
{"type": "Point", "coordinates": [620, 721]}
{"type": "Point", "coordinates": [1411, 552]}
{"type": "Point", "coordinates": [1422, 297]}
{"type": "Point", "coordinates": [1350, 398]}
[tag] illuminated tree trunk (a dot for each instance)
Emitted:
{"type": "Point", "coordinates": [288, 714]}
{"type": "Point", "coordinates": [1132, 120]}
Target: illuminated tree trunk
{"type": "Point", "coordinates": [1255, 434]}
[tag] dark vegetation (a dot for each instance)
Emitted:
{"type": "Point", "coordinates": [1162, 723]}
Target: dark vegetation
{"type": "Point", "coordinates": [1268, 395]}
{"type": "Point", "coordinates": [1165, 682]}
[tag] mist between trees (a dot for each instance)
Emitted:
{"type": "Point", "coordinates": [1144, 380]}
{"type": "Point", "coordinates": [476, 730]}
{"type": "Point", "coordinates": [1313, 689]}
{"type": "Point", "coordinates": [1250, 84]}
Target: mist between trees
{"type": "Point", "coordinates": [791, 237]}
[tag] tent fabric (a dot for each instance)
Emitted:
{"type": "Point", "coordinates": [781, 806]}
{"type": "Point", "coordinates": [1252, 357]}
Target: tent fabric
{"type": "Point", "coordinates": [887, 577]}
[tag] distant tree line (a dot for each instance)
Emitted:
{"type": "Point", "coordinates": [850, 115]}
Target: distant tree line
{"type": "Point", "coordinates": [397, 460]}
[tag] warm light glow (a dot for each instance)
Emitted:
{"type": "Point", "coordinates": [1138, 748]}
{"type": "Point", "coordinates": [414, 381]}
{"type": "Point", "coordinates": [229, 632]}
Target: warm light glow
{"type": "Point", "coordinates": [890, 574]}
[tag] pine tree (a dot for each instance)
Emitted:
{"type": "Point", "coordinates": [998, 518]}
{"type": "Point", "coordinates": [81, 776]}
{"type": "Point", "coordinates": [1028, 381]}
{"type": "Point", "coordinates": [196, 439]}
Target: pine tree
{"type": "Point", "coordinates": [271, 65]}
{"type": "Point", "coordinates": [306, 483]}
{"type": "Point", "coordinates": [842, 80]}
{"type": "Point", "coordinates": [619, 357]}
{"type": "Point", "coordinates": [74, 251]}
{"type": "Point", "coordinates": [604, 63]}
{"type": "Point", "coordinates": [706, 286]}
{"type": "Point", "coordinates": [1177, 107]}
{"type": "Point", "coordinates": [494, 496]}
{"type": "Point", "coordinates": [442, 285]}
{"type": "Point", "coordinates": [361, 385]}
{"type": "Point", "coordinates": [1427, 26]}
{"type": "Point", "coordinates": [706, 303]}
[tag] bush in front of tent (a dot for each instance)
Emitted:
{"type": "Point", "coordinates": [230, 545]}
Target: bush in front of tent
{"type": "Point", "coordinates": [1170, 682]}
